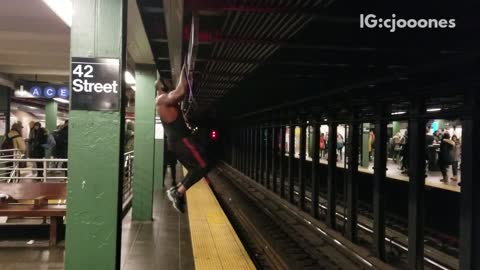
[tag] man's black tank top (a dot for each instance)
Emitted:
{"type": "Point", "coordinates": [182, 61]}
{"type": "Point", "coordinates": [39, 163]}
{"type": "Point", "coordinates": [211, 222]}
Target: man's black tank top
{"type": "Point", "coordinates": [177, 129]}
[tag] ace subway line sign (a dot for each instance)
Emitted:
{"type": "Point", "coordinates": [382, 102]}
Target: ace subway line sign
{"type": "Point", "coordinates": [96, 84]}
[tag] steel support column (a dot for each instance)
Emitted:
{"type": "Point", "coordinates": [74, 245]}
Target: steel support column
{"type": "Point", "coordinates": [291, 160]}
{"type": "Point", "coordinates": [251, 157]}
{"type": "Point", "coordinates": [233, 145]}
{"type": "Point", "coordinates": [352, 178]}
{"type": "Point", "coordinates": [332, 167]}
{"type": "Point", "coordinates": [416, 144]}
{"type": "Point", "coordinates": [234, 148]}
{"type": "Point", "coordinates": [247, 151]}
{"type": "Point", "coordinates": [315, 166]}
{"type": "Point", "coordinates": [379, 180]}
{"type": "Point", "coordinates": [244, 150]}
{"type": "Point", "coordinates": [470, 193]}
{"type": "Point", "coordinates": [301, 163]}
{"type": "Point", "coordinates": [274, 157]}
{"type": "Point", "coordinates": [261, 149]}
{"type": "Point", "coordinates": [255, 154]}
{"type": "Point", "coordinates": [268, 152]}
{"type": "Point", "coordinates": [282, 160]}
{"type": "Point", "coordinates": [237, 148]}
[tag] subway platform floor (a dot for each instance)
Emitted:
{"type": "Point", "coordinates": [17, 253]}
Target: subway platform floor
{"type": "Point", "coordinates": [393, 172]}
{"type": "Point", "coordinates": [162, 244]}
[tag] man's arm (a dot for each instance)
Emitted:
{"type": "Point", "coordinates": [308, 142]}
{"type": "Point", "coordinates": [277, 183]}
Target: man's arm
{"type": "Point", "coordinates": [176, 95]}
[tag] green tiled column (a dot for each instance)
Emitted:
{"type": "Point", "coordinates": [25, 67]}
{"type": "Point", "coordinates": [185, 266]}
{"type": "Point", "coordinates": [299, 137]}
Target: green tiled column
{"type": "Point", "coordinates": [158, 166]}
{"type": "Point", "coordinates": [51, 109]}
{"type": "Point", "coordinates": [365, 132]}
{"type": "Point", "coordinates": [95, 147]}
{"type": "Point", "coordinates": [5, 109]}
{"type": "Point", "coordinates": [145, 76]}
{"type": "Point", "coordinates": [396, 127]}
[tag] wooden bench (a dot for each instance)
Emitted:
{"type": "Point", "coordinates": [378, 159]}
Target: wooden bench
{"type": "Point", "coordinates": [40, 193]}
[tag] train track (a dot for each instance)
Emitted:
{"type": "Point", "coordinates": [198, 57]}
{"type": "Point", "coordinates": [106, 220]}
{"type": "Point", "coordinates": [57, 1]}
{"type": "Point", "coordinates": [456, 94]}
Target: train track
{"type": "Point", "coordinates": [280, 238]}
{"type": "Point", "coordinates": [439, 248]}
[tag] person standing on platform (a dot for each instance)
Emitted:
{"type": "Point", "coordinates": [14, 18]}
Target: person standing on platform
{"type": "Point", "coordinates": [371, 144]}
{"type": "Point", "coordinates": [340, 145]}
{"type": "Point", "coordinates": [457, 153]}
{"type": "Point", "coordinates": [14, 139]}
{"type": "Point", "coordinates": [405, 153]}
{"type": "Point", "coordinates": [29, 139]}
{"type": "Point", "coordinates": [61, 149]}
{"type": "Point", "coordinates": [445, 158]}
{"type": "Point", "coordinates": [129, 136]}
{"type": "Point", "coordinates": [437, 136]}
{"type": "Point", "coordinates": [322, 145]}
{"type": "Point", "coordinates": [397, 146]}
{"type": "Point", "coordinates": [39, 139]}
{"type": "Point", "coordinates": [179, 139]}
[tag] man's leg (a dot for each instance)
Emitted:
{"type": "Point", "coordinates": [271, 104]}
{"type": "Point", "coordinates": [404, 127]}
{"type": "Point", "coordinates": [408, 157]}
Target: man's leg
{"type": "Point", "coordinates": [164, 172]}
{"type": "Point", "coordinates": [189, 156]}
{"type": "Point", "coordinates": [455, 170]}
{"type": "Point", "coordinates": [173, 172]}
{"type": "Point", "coordinates": [39, 169]}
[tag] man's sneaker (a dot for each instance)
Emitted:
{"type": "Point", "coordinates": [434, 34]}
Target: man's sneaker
{"type": "Point", "coordinates": [176, 199]}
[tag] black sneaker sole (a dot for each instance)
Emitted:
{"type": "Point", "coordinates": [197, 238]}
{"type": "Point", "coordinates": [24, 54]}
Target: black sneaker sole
{"type": "Point", "coordinates": [177, 208]}
{"type": "Point", "coordinates": [170, 197]}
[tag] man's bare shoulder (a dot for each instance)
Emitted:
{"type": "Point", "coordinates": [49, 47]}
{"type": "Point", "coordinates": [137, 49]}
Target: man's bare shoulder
{"type": "Point", "coordinates": [162, 99]}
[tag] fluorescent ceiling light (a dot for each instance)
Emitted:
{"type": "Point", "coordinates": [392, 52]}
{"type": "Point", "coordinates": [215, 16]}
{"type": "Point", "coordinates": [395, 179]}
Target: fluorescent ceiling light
{"type": "Point", "coordinates": [398, 113]}
{"type": "Point", "coordinates": [61, 100]}
{"type": "Point", "coordinates": [129, 79]}
{"type": "Point", "coordinates": [434, 109]}
{"type": "Point", "coordinates": [63, 9]}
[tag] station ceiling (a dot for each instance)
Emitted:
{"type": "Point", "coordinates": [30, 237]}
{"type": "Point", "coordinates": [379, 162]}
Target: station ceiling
{"type": "Point", "coordinates": [259, 54]}
{"type": "Point", "coordinates": [35, 42]}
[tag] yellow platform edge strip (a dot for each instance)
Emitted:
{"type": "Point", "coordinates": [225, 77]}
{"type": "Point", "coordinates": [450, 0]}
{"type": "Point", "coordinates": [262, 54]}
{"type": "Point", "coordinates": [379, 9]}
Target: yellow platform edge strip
{"type": "Point", "coordinates": [214, 241]}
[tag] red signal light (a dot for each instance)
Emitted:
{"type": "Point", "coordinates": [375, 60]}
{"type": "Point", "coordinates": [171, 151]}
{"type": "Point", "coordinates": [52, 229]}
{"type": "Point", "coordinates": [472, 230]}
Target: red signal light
{"type": "Point", "coordinates": [213, 135]}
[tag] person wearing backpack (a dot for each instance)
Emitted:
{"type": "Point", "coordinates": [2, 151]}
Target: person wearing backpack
{"type": "Point", "coordinates": [14, 139]}
{"type": "Point", "coordinates": [39, 140]}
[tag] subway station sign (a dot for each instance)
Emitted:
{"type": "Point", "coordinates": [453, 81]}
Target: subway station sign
{"type": "Point", "coordinates": [96, 84]}
{"type": "Point", "coordinates": [42, 90]}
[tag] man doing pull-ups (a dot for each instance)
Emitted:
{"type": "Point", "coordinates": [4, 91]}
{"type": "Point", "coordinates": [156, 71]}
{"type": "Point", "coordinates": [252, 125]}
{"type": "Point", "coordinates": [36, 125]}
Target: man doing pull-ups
{"type": "Point", "coordinates": [179, 139]}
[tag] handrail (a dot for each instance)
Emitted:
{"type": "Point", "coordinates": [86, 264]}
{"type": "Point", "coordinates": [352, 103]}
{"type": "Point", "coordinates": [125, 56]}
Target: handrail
{"type": "Point", "coordinates": [12, 172]}
{"type": "Point", "coordinates": [127, 180]}
{"type": "Point", "coordinates": [8, 150]}
{"type": "Point", "coordinates": [34, 159]}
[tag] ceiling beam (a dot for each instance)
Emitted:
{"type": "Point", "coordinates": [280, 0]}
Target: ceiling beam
{"type": "Point", "coordinates": [295, 63]}
{"type": "Point", "coordinates": [137, 42]}
{"type": "Point", "coordinates": [174, 27]}
{"type": "Point", "coordinates": [6, 81]}
{"type": "Point", "coordinates": [35, 70]}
